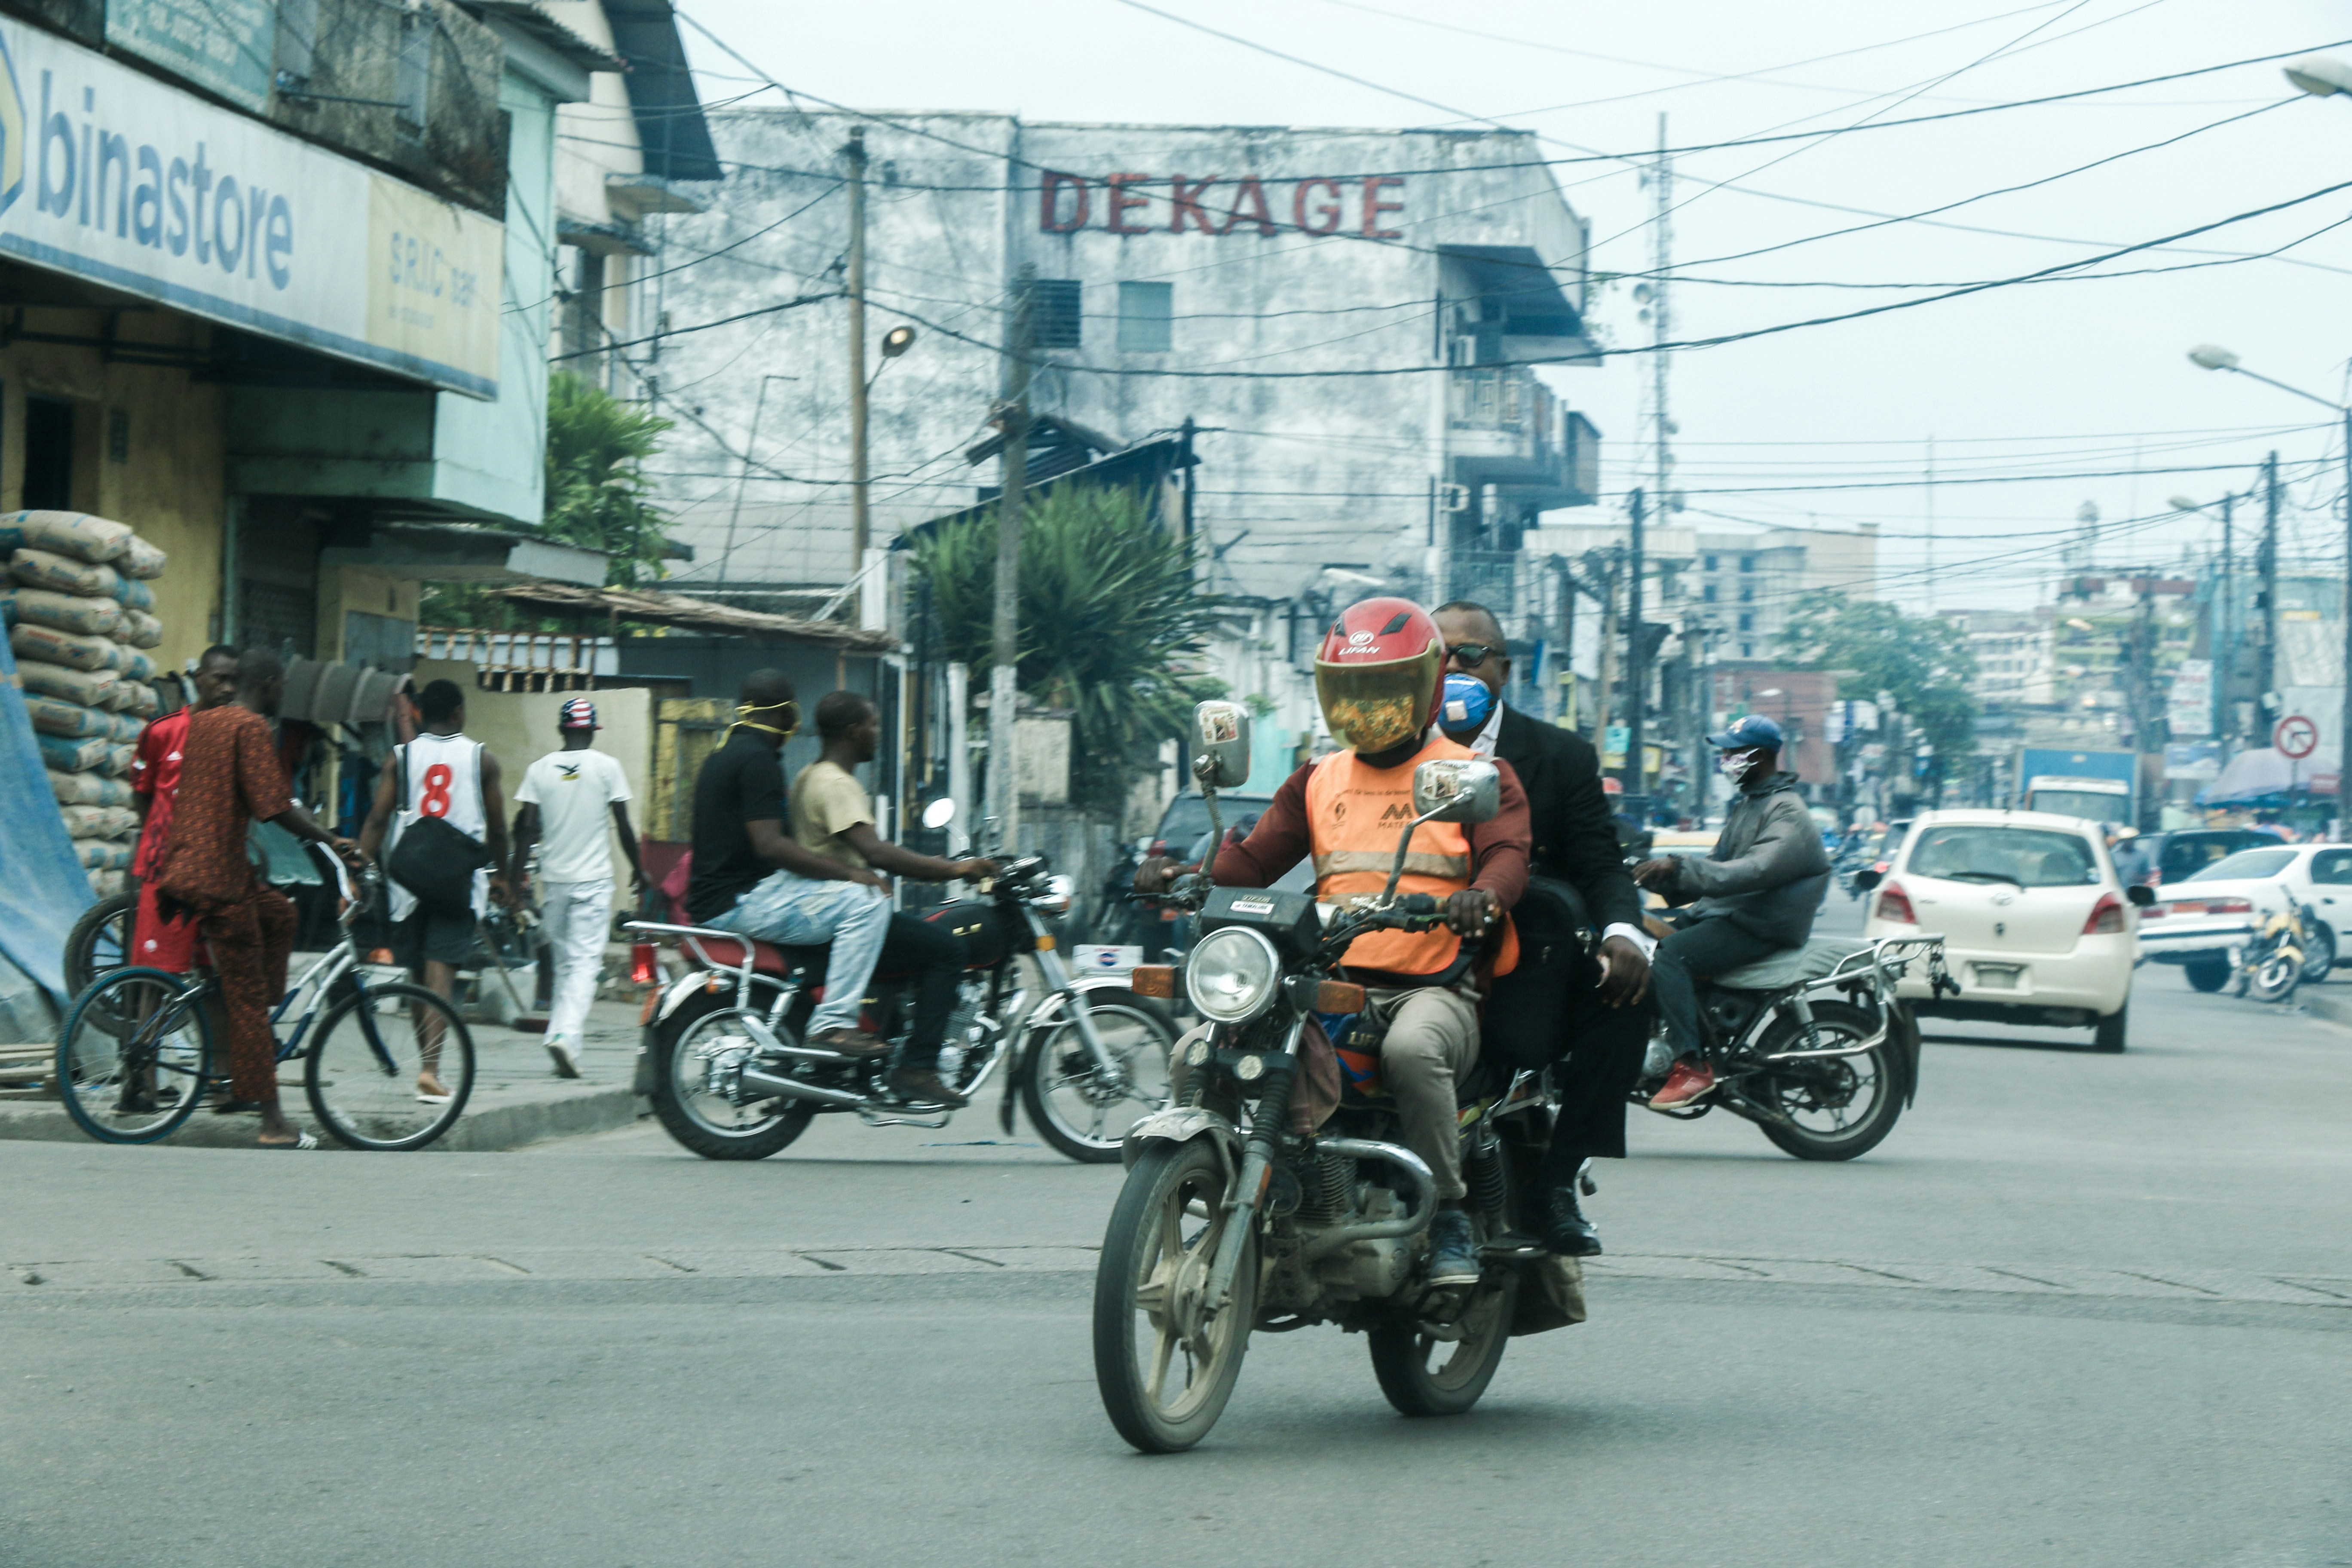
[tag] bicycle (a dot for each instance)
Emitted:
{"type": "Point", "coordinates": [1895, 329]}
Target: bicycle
{"type": "Point", "coordinates": [134, 1056]}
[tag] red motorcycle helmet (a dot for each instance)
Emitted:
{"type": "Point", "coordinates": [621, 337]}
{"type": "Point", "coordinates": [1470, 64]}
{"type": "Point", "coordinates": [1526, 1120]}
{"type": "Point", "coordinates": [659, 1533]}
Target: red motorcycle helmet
{"type": "Point", "coordinates": [1378, 674]}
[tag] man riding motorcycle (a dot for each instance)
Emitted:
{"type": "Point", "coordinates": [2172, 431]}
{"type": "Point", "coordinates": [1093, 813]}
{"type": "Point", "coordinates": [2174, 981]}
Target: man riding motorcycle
{"type": "Point", "coordinates": [1757, 892]}
{"type": "Point", "coordinates": [1378, 678]}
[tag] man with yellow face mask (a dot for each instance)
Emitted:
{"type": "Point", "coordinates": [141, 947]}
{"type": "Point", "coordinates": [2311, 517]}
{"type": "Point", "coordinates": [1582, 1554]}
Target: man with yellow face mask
{"type": "Point", "coordinates": [1378, 676]}
{"type": "Point", "coordinates": [751, 877]}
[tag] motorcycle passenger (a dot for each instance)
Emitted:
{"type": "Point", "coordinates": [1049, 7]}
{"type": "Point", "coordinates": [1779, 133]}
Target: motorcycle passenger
{"type": "Point", "coordinates": [1756, 893]}
{"type": "Point", "coordinates": [833, 817]}
{"type": "Point", "coordinates": [754, 878]}
{"type": "Point", "coordinates": [1378, 678]}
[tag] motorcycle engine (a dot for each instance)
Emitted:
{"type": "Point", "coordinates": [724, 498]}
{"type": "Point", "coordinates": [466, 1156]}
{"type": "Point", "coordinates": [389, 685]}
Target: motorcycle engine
{"type": "Point", "coordinates": [1369, 1269]}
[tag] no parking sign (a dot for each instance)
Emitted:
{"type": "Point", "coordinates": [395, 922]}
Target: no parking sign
{"type": "Point", "coordinates": [2295, 737]}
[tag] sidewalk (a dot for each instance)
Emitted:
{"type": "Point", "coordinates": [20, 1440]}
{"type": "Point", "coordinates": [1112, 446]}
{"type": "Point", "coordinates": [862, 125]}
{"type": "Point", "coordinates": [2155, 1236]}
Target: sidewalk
{"type": "Point", "coordinates": [516, 1098]}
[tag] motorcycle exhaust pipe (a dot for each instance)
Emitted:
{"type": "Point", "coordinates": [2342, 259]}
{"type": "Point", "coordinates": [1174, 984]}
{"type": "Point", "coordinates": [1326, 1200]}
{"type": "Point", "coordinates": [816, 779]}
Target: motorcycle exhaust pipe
{"type": "Point", "coordinates": [760, 1085]}
{"type": "Point", "coordinates": [1417, 1175]}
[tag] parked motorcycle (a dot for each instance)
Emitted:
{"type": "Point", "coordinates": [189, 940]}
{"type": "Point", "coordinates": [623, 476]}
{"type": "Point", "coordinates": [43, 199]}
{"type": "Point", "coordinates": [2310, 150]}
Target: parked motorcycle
{"type": "Point", "coordinates": [2269, 965]}
{"type": "Point", "coordinates": [1240, 1215]}
{"type": "Point", "coordinates": [1822, 1079]}
{"type": "Point", "coordinates": [726, 1065]}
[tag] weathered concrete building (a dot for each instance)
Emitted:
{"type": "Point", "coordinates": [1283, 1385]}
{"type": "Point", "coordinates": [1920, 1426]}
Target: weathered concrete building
{"type": "Point", "coordinates": [1186, 273]}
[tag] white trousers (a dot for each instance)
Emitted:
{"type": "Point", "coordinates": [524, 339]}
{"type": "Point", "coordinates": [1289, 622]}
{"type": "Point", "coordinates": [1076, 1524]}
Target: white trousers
{"type": "Point", "coordinates": [579, 921]}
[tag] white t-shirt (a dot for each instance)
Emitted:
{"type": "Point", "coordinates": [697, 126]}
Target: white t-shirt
{"type": "Point", "coordinates": [574, 792]}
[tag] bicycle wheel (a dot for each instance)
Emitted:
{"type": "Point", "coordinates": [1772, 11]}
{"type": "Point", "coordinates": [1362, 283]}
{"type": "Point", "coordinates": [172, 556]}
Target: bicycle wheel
{"type": "Point", "coordinates": [133, 1054]}
{"type": "Point", "coordinates": [362, 1073]}
{"type": "Point", "coordinates": [100, 941]}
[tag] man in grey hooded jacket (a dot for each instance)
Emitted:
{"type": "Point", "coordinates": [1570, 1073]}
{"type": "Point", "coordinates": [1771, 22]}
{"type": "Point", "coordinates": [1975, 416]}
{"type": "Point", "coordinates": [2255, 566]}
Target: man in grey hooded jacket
{"type": "Point", "coordinates": [1756, 893]}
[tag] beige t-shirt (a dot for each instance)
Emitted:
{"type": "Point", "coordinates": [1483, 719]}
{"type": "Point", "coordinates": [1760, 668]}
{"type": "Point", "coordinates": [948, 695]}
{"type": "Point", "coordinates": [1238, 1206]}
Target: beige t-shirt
{"type": "Point", "coordinates": [827, 799]}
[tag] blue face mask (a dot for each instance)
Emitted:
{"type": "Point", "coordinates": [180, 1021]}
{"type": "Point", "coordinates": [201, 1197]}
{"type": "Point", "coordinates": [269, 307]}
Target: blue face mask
{"type": "Point", "coordinates": [1465, 708]}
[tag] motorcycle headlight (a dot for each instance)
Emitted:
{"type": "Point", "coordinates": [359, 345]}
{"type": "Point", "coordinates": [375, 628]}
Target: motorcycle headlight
{"type": "Point", "coordinates": [1232, 975]}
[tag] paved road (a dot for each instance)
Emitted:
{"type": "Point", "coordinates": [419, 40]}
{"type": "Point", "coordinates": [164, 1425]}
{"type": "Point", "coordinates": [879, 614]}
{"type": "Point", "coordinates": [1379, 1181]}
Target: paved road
{"type": "Point", "coordinates": [2079, 1309]}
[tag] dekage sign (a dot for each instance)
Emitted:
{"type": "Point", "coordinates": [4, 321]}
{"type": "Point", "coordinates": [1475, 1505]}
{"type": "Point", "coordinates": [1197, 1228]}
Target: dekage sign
{"type": "Point", "coordinates": [1213, 205]}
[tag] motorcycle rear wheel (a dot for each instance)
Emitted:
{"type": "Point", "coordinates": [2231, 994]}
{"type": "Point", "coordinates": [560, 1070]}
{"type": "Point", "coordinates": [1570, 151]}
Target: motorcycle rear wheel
{"type": "Point", "coordinates": [1864, 1087]}
{"type": "Point", "coordinates": [1425, 1375]}
{"type": "Point", "coordinates": [710, 1125]}
{"type": "Point", "coordinates": [2274, 978]}
{"type": "Point", "coordinates": [1148, 1321]}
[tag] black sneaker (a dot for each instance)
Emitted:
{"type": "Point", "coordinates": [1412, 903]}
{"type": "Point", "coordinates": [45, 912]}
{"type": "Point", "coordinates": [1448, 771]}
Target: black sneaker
{"type": "Point", "coordinates": [1566, 1231]}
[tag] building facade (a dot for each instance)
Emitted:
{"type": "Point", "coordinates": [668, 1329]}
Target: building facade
{"type": "Point", "coordinates": [1184, 273]}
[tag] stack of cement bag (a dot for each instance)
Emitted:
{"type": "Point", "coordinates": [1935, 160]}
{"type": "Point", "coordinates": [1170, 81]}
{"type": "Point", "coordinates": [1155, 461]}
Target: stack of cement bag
{"type": "Point", "coordinates": [82, 621]}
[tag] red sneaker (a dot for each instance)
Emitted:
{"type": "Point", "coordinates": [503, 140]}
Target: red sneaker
{"type": "Point", "coordinates": [1686, 1083]}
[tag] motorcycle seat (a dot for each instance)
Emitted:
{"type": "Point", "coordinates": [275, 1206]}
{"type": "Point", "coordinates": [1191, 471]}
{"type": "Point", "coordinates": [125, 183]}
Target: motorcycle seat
{"type": "Point", "coordinates": [1791, 965]}
{"type": "Point", "coordinates": [767, 957]}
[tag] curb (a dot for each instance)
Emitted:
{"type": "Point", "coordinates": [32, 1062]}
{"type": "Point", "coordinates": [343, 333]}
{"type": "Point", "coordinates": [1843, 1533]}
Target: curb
{"type": "Point", "coordinates": [489, 1129]}
{"type": "Point", "coordinates": [2319, 1005]}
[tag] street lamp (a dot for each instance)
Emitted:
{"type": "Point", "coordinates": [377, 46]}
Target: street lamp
{"type": "Point", "coordinates": [2333, 77]}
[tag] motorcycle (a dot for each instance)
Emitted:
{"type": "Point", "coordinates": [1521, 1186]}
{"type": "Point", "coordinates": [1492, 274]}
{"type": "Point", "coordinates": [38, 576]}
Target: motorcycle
{"type": "Point", "coordinates": [725, 1063]}
{"type": "Point", "coordinates": [1822, 1079]}
{"type": "Point", "coordinates": [2269, 965]}
{"type": "Point", "coordinates": [1240, 1215]}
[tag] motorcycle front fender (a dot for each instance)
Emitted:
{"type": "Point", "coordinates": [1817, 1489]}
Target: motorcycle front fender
{"type": "Point", "coordinates": [1182, 1125]}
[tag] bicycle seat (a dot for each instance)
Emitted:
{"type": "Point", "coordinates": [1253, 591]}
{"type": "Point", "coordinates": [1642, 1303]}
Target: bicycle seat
{"type": "Point", "coordinates": [1791, 965]}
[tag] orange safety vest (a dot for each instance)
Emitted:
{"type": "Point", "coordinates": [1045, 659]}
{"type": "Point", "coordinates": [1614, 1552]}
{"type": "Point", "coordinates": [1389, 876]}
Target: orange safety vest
{"type": "Point", "coordinates": [1354, 813]}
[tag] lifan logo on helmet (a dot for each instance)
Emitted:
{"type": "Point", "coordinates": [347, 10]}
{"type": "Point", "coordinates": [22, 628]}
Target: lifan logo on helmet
{"type": "Point", "coordinates": [1359, 638]}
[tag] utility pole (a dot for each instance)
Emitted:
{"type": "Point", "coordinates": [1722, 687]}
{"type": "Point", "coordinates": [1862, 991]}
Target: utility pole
{"type": "Point", "coordinates": [1928, 491]}
{"type": "Point", "coordinates": [2266, 571]}
{"type": "Point", "coordinates": [2343, 730]}
{"type": "Point", "coordinates": [1608, 649]}
{"type": "Point", "coordinates": [1636, 664]}
{"type": "Point", "coordinates": [1697, 630]}
{"type": "Point", "coordinates": [2225, 648]}
{"type": "Point", "coordinates": [1003, 675]}
{"type": "Point", "coordinates": [858, 380]}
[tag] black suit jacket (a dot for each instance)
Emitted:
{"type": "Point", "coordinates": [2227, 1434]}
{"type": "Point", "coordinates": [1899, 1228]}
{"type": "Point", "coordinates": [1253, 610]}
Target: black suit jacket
{"type": "Point", "coordinates": [1569, 816]}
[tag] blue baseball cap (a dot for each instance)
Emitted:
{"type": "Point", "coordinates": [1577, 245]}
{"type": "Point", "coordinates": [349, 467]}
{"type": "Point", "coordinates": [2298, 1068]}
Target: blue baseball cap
{"type": "Point", "coordinates": [1466, 706]}
{"type": "Point", "coordinates": [1755, 730]}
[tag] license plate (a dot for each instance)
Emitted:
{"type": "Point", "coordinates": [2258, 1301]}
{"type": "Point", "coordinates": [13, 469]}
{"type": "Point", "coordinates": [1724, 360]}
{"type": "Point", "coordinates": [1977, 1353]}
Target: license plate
{"type": "Point", "coordinates": [1997, 977]}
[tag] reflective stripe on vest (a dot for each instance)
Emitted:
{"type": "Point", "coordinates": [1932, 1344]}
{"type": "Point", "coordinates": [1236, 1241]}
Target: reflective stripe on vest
{"type": "Point", "coordinates": [1354, 815]}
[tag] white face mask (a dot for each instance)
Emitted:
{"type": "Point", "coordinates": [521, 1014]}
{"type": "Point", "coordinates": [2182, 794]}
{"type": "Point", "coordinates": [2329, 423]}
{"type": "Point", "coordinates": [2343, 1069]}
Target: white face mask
{"type": "Point", "coordinates": [1735, 766]}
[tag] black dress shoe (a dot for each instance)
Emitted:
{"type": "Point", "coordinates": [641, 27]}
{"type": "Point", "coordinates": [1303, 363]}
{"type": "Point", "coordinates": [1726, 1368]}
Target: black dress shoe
{"type": "Point", "coordinates": [1566, 1231]}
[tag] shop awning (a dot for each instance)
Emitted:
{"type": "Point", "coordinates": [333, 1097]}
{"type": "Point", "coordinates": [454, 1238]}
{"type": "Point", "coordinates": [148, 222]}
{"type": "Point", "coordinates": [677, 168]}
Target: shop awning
{"type": "Point", "coordinates": [649, 607]}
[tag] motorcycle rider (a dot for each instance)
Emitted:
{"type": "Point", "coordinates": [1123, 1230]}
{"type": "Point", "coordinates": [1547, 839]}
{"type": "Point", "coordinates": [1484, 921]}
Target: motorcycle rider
{"type": "Point", "coordinates": [1378, 678]}
{"type": "Point", "coordinates": [1757, 892]}
{"type": "Point", "coordinates": [751, 877]}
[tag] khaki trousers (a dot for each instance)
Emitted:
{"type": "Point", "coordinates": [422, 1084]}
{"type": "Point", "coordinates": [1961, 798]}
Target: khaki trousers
{"type": "Point", "coordinates": [1432, 1045]}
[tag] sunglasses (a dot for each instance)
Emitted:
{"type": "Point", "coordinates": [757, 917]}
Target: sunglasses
{"type": "Point", "coordinates": [1471, 655]}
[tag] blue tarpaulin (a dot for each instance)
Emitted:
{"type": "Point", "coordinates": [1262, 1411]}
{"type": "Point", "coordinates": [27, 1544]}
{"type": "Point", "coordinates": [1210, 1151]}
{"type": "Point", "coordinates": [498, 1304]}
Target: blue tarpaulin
{"type": "Point", "coordinates": [43, 888]}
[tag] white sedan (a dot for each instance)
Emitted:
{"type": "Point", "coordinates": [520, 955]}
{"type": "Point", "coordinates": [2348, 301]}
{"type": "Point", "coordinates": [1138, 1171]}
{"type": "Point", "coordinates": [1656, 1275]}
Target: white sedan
{"type": "Point", "coordinates": [2037, 928]}
{"type": "Point", "coordinates": [2198, 919]}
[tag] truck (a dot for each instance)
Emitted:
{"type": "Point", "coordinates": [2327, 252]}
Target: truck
{"type": "Point", "coordinates": [2100, 785]}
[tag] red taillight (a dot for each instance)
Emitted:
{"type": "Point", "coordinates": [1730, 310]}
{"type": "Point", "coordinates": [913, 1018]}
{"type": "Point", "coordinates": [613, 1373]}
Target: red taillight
{"type": "Point", "coordinates": [641, 964]}
{"type": "Point", "coordinates": [2230, 907]}
{"type": "Point", "coordinates": [2154, 912]}
{"type": "Point", "coordinates": [1894, 904]}
{"type": "Point", "coordinates": [2106, 917]}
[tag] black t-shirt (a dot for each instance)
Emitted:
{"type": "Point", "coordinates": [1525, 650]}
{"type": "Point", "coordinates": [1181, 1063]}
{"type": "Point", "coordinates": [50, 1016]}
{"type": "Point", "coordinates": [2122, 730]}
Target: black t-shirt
{"type": "Point", "coordinates": [743, 782]}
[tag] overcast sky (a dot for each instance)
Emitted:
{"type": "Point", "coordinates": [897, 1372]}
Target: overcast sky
{"type": "Point", "coordinates": [2061, 377]}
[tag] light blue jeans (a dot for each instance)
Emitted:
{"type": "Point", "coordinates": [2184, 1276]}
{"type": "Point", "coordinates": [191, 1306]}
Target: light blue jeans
{"type": "Point", "coordinates": [796, 912]}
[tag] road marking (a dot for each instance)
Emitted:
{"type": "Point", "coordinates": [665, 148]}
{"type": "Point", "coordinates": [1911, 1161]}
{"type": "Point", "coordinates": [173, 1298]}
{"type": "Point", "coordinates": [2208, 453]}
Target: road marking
{"type": "Point", "coordinates": [52, 1277]}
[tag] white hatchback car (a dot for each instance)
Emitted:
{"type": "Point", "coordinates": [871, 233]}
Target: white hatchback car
{"type": "Point", "coordinates": [2197, 921]}
{"type": "Point", "coordinates": [2037, 928]}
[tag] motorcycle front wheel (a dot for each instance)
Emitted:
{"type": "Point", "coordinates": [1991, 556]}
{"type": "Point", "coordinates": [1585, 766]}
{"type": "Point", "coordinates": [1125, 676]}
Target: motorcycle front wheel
{"type": "Point", "coordinates": [1063, 1089]}
{"type": "Point", "coordinates": [706, 1030]}
{"type": "Point", "coordinates": [2274, 977]}
{"type": "Point", "coordinates": [1837, 1107]}
{"type": "Point", "coordinates": [1165, 1365]}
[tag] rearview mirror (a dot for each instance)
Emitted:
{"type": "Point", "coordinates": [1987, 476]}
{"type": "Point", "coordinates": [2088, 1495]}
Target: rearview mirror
{"type": "Point", "coordinates": [2140, 896]}
{"type": "Point", "coordinates": [940, 812]}
{"type": "Point", "coordinates": [1456, 791]}
{"type": "Point", "coordinates": [1222, 732]}
{"type": "Point", "coordinates": [1867, 879]}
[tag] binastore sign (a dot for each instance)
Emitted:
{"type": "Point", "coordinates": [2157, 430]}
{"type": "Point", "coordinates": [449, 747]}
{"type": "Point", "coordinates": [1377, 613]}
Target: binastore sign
{"type": "Point", "coordinates": [1179, 204]}
{"type": "Point", "coordinates": [113, 176]}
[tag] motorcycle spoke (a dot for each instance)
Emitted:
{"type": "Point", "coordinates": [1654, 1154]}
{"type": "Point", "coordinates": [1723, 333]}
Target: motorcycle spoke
{"type": "Point", "coordinates": [1164, 1351]}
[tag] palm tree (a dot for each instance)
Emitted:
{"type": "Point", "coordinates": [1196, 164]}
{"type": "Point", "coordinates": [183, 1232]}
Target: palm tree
{"type": "Point", "coordinates": [1111, 622]}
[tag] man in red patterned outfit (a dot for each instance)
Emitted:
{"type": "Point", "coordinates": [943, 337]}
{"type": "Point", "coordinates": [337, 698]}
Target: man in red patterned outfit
{"type": "Point", "coordinates": [156, 943]}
